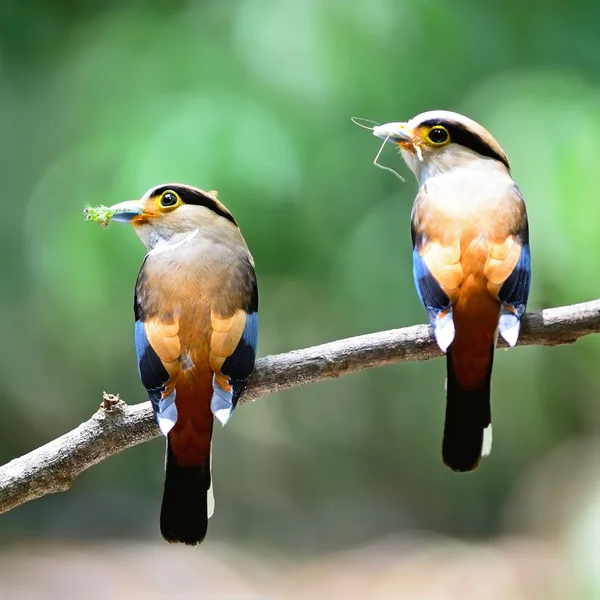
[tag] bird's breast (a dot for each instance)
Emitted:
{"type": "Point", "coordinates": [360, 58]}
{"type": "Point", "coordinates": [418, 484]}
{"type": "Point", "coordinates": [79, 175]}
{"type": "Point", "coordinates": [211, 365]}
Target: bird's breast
{"type": "Point", "coordinates": [473, 206]}
{"type": "Point", "coordinates": [465, 221]}
{"type": "Point", "coordinates": [173, 289]}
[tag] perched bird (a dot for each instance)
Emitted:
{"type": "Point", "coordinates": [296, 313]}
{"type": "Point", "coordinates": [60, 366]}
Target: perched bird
{"type": "Point", "coordinates": [471, 262]}
{"type": "Point", "coordinates": [196, 327]}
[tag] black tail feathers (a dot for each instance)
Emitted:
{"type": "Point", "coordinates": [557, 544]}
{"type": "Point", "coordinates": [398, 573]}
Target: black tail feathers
{"type": "Point", "coordinates": [468, 413]}
{"type": "Point", "coordinates": [184, 510]}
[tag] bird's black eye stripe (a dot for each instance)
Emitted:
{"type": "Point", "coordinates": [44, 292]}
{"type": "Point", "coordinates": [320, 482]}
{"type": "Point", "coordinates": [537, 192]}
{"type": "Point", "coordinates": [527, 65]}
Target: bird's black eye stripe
{"type": "Point", "coordinates": [189, 195]}
{"type": "Point", "coordinates": [460, 134]}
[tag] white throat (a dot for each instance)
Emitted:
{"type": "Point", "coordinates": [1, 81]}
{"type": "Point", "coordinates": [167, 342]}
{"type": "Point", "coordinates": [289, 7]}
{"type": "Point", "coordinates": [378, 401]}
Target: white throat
{"type": "Point", "coordinates": [444, 160]}
{"type": "Point", "coordinates": [172, 243]}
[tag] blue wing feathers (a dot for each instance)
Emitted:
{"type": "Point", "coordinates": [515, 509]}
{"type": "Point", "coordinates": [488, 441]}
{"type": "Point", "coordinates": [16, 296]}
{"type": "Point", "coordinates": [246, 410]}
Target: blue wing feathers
{"type": "Point", "coordinates": [514, 294]}
{"type": "Point", "coordinates": [432, 296]}
{"type": "Point", "coordinates": [435, 300]}
{"type": "Point", "coordinates": [515, 290]}
{"type": "Point", "coordinates": [239, 366]}
{"type": "Point", "coordinates": [154, 376]}
{"type": "Point", "coordinates": [152, 372]}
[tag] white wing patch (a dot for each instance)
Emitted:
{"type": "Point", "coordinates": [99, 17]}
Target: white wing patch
{"type": "Point", "coordinates": [444, 330]}
{"type": "Point", "coordinates": [221, 403]}
{"type": "Point", "coordinates": [166, 415]}
{"type": "Point", "coordinates": [508, 326]}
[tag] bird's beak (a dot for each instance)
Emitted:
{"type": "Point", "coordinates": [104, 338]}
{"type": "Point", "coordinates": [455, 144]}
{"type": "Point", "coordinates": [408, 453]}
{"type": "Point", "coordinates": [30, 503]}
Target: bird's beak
{"type": "Point", "coordinates": [395, 133]}
{"type": "Point", "coordinates": [126, 212]}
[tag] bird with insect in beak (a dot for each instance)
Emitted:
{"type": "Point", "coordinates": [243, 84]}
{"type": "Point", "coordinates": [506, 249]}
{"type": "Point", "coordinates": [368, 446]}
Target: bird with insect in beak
{"type": "Point", "coordinates": [471, 262]}
{"type": "Point", "coordinates": [196, 328]}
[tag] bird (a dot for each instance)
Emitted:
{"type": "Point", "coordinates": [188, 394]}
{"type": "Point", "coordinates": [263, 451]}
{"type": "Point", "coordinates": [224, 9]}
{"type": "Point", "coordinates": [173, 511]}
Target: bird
{"type": "Point", "coordinates": [471, 262]}
{"type": "Point", "coordinates": [196, 331]}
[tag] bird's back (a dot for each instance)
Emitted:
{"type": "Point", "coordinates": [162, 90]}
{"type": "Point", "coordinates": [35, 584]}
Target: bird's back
{"type": "Point", "coordinates": [183, 286]}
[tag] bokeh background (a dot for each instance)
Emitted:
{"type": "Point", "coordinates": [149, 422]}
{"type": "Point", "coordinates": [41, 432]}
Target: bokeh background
{"type": "Point", "coordinates": [336, 490]}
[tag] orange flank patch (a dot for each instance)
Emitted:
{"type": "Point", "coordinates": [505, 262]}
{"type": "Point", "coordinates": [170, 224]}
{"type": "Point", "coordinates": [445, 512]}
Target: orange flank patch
{"type": "Point", "coordinates": [223, 382]}
{"type": "Point", "coordinates": [226, 335]}
{"type": "Point", "coordinates": [443, 263]}
{"type": "Point", "coordinates": [503, 258]}
{"type": "Point", "coordinates": [164, 339]}
{"type": "Point", "coordinates": [443, 313]}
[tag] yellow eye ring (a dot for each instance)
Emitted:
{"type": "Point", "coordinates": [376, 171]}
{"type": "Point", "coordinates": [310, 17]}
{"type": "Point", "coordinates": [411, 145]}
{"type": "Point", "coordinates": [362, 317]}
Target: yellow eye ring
{"type": "Point", "coordinates": [438, 136]}
{"type": "Point", "coordinates": [169, 199]}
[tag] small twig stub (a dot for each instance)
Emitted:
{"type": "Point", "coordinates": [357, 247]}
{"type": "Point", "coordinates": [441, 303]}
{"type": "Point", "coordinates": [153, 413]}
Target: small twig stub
{"type": "Point", "coordinates": [109, 401]}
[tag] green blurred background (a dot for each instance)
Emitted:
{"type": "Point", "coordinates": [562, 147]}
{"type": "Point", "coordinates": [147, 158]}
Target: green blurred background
{"type": "Point", "coordinates": [100, 101]}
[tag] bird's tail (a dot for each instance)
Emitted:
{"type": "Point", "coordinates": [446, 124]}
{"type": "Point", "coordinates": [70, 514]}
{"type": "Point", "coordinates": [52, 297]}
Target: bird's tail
{"type": "Point", "coordinates": [468, 426]}
{"type": "Point", "coordinates": [184, 510]}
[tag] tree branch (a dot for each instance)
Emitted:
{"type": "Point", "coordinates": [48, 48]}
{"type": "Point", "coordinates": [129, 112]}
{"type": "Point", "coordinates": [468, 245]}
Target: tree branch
{"type": "Point", "coordinates": [117, 426]}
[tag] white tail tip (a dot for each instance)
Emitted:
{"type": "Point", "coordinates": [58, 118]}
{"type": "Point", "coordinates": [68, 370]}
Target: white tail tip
{"type": "Point", "coordinates": [210, 498]}
{"type": "Point", "coordinates": [486, 448]}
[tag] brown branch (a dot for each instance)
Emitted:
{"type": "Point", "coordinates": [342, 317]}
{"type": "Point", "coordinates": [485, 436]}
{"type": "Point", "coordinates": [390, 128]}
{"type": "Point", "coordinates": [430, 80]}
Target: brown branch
{"type": "Point", "coordinates": [117, 426]}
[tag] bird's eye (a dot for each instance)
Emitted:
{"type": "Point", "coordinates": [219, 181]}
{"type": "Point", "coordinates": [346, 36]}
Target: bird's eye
{"type": "Point", "coordinates": [438, 135]}
{"type": "Point", "coordinates": [168, 199]}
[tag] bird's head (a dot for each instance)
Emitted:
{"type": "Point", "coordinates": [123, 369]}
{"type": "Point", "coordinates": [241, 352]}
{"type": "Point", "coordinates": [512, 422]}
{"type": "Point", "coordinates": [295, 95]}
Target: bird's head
{"type": "Point", "coordinates": [173, 209]}
{"type": "Point", "coordinates": [439, 140]}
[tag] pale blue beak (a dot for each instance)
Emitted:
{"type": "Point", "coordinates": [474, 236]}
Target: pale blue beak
{"type": "Point", "coordinates": [125, 212]}
{"type": "Point", "coordinates": [393, 132]}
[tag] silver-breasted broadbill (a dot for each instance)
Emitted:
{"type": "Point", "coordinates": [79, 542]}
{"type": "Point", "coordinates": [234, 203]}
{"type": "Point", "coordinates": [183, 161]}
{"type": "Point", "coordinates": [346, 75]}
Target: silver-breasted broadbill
{"type": "Point", "coordinates": [471, 262]}
{"type": "Point", "coordinates": [196, 328]}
